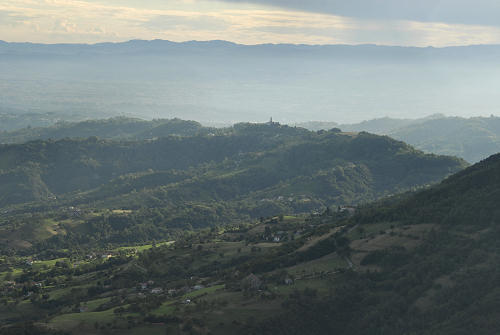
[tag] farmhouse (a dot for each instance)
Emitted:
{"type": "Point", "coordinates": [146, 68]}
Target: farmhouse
{"type": "Point", "coordinates": [157, 290]}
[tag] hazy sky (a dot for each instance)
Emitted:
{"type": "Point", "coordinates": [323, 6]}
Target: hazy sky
{"type": "Point", "coordinates": [387, 22]}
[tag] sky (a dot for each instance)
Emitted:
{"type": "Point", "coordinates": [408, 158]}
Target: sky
{"type": "Point", "coordinates": [421, 23]}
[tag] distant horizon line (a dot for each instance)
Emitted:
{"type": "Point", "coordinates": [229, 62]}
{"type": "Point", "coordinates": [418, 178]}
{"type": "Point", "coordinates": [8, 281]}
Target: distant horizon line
{"type": "Point", "coordinates": [429, 117]}
{"type": "Point", "coordinates": [251, 45]}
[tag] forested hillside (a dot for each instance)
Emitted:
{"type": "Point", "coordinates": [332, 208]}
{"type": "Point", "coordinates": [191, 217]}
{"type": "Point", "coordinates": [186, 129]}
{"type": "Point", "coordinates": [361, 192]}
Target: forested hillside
{"type": "Point", "coordinates": [472, 139]}
{"type": "Point", "coordinates": [190, 182]}
{"type": "Point", "coordinates": [442, 282]}
{"type": "Point", "coordinates": [422, 262]}
{"type": "Point", "coordinates": [114, 128]}
{"type": "Point", "coordinates": [279, 152]}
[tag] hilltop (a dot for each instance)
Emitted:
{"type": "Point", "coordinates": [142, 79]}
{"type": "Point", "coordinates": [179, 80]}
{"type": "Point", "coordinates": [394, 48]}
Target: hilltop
{"type": "Point", "coordinates": [119, 128]}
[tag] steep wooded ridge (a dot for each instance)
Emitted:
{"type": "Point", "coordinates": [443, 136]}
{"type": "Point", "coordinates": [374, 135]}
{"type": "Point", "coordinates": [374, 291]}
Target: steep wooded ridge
{"type": "Point", "coordinates": [446, 283]}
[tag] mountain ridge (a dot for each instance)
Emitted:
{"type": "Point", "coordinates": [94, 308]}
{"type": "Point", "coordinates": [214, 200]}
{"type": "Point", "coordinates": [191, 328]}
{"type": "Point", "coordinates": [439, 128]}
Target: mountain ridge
{"type": "Point", "coordinates": [285, 50]}
{"type": "Point", "coordinates": [216, 41]}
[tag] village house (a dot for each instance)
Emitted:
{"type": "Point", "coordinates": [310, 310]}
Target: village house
{"type": "Point", "coordinates": [10, 283]}
{"type": "Point", "coordinates": [157, 290]}
{"type": "Point", "coordinates": [347, 209]}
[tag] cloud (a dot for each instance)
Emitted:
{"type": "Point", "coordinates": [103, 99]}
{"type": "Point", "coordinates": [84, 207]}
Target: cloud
{"type": "Point", "coordinates": [13, 18]}
{"type": "Point", "coordinates": [200, 22]}
{"type": "Point", "coordinates": [474, 12]}
{"type": "Point", "coordinates": [310, 22]}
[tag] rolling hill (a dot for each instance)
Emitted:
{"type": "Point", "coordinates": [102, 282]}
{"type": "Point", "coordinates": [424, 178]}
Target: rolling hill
{"type": "Point", "coordinates": [193, 182]}
{"type": "Point", "coordinates": [114, 128]}
{"type": "Point", "coordinates": [422, 262]}
{"type": "Point", "coordinates": [472, 139]}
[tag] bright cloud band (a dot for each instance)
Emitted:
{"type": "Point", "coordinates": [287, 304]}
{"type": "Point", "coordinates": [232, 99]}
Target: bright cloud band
{"type": "Point", "coordinates": [65, 21]}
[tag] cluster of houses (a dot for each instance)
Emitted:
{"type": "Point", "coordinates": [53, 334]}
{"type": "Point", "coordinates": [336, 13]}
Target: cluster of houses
{"type": "Point", "coordinates": [149, 287]}
{"type": "Point", "coordinates": [104, 256]}
{"type": "Point", "coordinates": [28, 288]}
{"type": "Point", "coordinates": [10, 286]}
{"type": "Point", "coordinates": [281, 198]}
{"type": "Point", "coordinates": [279, 236]}
{"type": "Point", "coordinates": [276, 237]}
{"type": "Point", "coordinates": [350, 210]}
{"type": "Point", "coordinates": [146, 285]}
{"type": "Point", "coordinates": [74, 211]}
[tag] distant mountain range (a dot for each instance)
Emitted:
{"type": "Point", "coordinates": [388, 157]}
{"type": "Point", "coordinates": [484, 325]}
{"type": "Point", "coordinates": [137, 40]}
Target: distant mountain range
{"type": "Point", "coordinates": [363, 51]}
{"type": "Point", "coordinates": [222, 82]}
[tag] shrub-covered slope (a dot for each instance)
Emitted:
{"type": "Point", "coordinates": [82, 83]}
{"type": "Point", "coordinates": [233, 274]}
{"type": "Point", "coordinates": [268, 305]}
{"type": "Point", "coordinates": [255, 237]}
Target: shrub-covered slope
{"type": "Point", "coordinates": [442, 282]}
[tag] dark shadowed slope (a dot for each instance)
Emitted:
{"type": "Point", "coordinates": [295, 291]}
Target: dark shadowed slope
{"type": "Point", "coordinates": [444, 281]}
